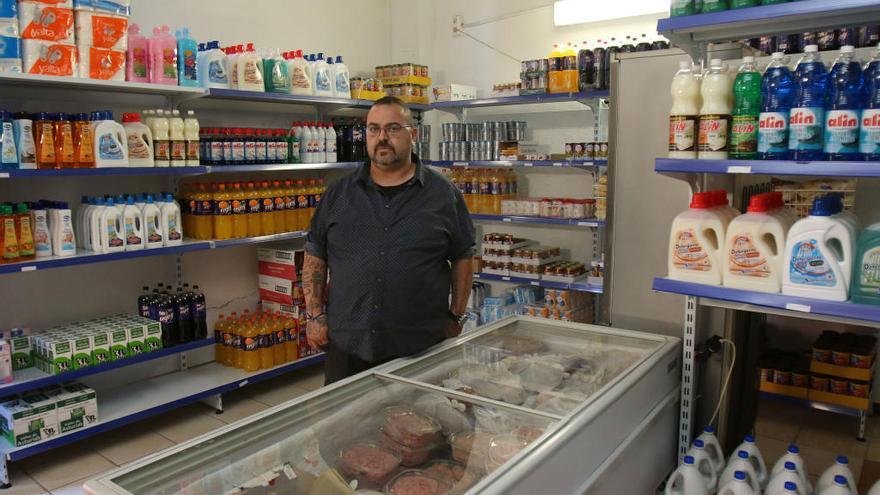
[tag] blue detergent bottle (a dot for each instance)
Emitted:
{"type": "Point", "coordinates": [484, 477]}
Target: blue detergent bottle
{"type": "Point", "coordinates": [807, 117]}
{"type": "Point", "coordinates": [187, 59]}
{"type": "Point", "coordinates": [777, 95]}
{"type": "Point", "coordinates": [843, 108]}
{"type": "Point", "coordinates": [869, 136]}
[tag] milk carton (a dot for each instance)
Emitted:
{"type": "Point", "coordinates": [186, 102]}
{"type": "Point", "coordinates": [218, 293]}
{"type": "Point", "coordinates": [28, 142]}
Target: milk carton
{"type": "Point", "coordinates": [153, 335]}
{"type": "Point", "coordinates": [5, 362]}
{"type": "Point", "coordinates": [59, 355]}
{"type": "Point", "coordinates": [21, 352]}
{"type": "Point", "coordinates": [82, 351]}
{"type": "Point", "coordinates": [136, 336]}
{"type": "Point", "coordinates": [28, 419]}
{"type": "Point", "coordinates": [119, 344]}
{"type": "Point", "coordinates": [101, 347]}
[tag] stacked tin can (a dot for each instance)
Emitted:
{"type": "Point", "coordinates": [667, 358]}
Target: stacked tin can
{"type": "Point", "coordinates": [479, 141]}
{"type": "Point", "coordinates": [422, 146]}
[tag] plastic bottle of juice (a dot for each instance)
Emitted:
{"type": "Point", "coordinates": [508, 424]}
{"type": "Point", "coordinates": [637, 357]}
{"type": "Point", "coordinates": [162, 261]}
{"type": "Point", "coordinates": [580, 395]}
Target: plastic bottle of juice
{"type": "Point", "coordinates": [291, 346]}
{"type": "Point", "coordinates": [474, 206]}
{"type": "Point", "coordinates": [222, 213]}
{"type": "Point", "coordinates": [239, 211]}
{"type": "Point", "coordinates": [204, 223]}
{"type": "Point", "coordinates": [314, 198]}
{"type": "Point", "coordinates": [279, 339]}
{"type": "Point", "coordinates": [250, 353]}
{"type": "Point", "coordinates": [24, 230]}
{"type": "Point", "coordinates": [8, 235]}
{"type": "Point", "coordinates": [219, 348]}
{"type": "Point", "coordinates": [302, 205]}
{"type": "Point", "coordinates": [279, 207]}
{"type": "Point", "coordinates": [64, 151]}
{"type": "Point", "coordinates": [239, 336]}
{"type": "Point", "coordinates": [266, 335]}
{"type": "Point", "coordinates": [497, 191]}
{"type": "Point", "coordinates": [44, 138]}
{"type": "Point", "coordinates": [267, 209]}
{"type": "Point", "coordinates": [230, 339]}
{"type": "Point", "coordinates": [290, 207]}
{"type": "Point", "coordinates": [254, 209]}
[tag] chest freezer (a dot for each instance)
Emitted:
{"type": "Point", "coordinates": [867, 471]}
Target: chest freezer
{"type": "Point", "coordinates": [523, 406]}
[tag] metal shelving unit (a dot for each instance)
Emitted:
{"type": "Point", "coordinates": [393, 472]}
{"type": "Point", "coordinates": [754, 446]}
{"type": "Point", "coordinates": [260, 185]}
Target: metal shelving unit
{"type": "Point", "coordinates": [520, 163]}
{"type": "Point", "coordinates": [520, 100]}
{"type": "Point", "coordinates": [547, 284]}
{"type": "Point", "coordinates": [566, 222]}
{"type": "Point", "coordinates": [694, 34]}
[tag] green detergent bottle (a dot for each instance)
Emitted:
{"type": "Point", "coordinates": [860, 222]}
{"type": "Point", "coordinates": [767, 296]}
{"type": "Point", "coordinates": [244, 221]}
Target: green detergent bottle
{"type": "Point", "coordinates": [866, 276]}
{"type": "Point", "coordinates": [682, 7]}
{"type": "Point", "coordinates": [275, 76]}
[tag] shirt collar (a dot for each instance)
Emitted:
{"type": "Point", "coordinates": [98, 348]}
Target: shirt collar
{"type": "Point", "coordinates": [364, 176]}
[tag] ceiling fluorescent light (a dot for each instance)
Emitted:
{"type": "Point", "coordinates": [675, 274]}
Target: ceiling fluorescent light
{"type": "Point", "coordinates": [568, 12]}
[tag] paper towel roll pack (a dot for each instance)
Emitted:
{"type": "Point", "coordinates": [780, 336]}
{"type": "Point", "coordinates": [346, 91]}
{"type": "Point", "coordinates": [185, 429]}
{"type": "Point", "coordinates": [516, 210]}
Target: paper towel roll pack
{"type": "Point", "coordinates": [118, 7]}
{"type": "Point", "coordinates": [39, 21]}
{"type": "Point", "coordinates": [10, 55]}
{"type": "Point", "coordinates": [101, 63]}
{"type": "Point", "coordinates": [101, 30]}
{"type": "Point", "coordinates": [8, 18]}
{"type": "Point", "coordinates": [48, 58]}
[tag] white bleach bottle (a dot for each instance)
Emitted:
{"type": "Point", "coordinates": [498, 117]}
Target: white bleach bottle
{"type": "Point", "coordinates": [704, 464]}
{"type": "Point", "coordinates": [740, 485]}
{"type": "Point", "coordinates": [133, 226]}
{"type": "Point", "coordinates": [789, 474]}
{"type": "Point", "coordinates": [793, 455]}
{"type": "Point", "coordinates": [686, 480]}
{"type": "Point", "coordinates": [153, 224]}
{"type": "Point", "coordinates": [840, 487]}
{"type": "Point", "coordinates": [330, 139]}
{"type": "Point", "coordinates": [112, 237]}
{"type": "Point", "coordinates": [839, 468]}
{"type": "Point", "coordinates": [63, 236]}
{"type": "Point", "coordinates": [739, 462]}
{"type": "Point", "coordinates": [695, 242]}
{"type": "Point", "coordinates": [171, 225]}
{"type": "Point", "coordinates": [755, 458]}
{"type": "Point", "coordinates": [713, 448]}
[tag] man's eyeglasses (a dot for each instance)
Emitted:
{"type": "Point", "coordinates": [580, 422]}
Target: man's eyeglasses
{"type": "Point", "coordinates": [391, 129]}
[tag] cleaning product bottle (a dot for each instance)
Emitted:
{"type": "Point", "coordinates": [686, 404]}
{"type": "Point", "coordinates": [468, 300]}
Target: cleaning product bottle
{"type": "Point", "coordinates": [139, 140]}
{"type": "Point", "coordinates": [839, 468]}
{"type": "Point", "coordinates": [170, 223]}
{"type": "Point", "coordinates": [739, 462]}
{"type": "Point", "coordinates": [161, 139]}
{"type": "Point", "coordinates": [277, 77]}
{"type": "Point", "coordinates": [64, 152]}
{"type": "Point", "coordinates": [250, 70]}
{"type": "Point", "coordinates": [777, 91]}
{"type": "Point", "coordinates": [191, 135]}
{"type": "Point", "coordinates": [819, 254]}
{"type": "Point", "coordinates": [112, 237]}
{"type": "Point", "coordinates": [136, 57]}
{"type": "Point", "coordinates": [755, 458]}
{"type": "Point", "coordinates": [133, 226]}
{"type": "Point", "coordinates": [840, 487]}
{"type": "Point", "coordinates": [714, 120]}
{"type": "Point", "coordinates": [695, 243]}
{"type": "Point", "coordinates": [214, 70]}
{"type": "Point", "coordinates": [869, 136]}
{"type": "Point", "coordinates": [746, 110]}
{"type": "Point", "coordinates": [44, 138]}
{"type": "Point", "coordinates": [323, 83]}
{"type": "Point", "coordinates": [866, 276]}
{"type": "Point", "coordinates": [843, 107]}
{"type": "Point", "coordinates": [753, 245]}
{"type": "Point", "coordinates": [307, 152]}
{"type": "Point", "coordinates": [684, 112]}
{"type": "Point", "coordinates": [178, 139]}
{"type": "Point", "coordinates": [320, 139]}
{"type": "Point", "coordinates": [704, 464]}
{"type": "Point", "coordinates": [234, 53]}
{"type": "Point", "coordinates": [8, 235]}
{"type": "Point", "coordinates": [94, 225]}
{"type": "Point", "coordinates": [330, 140]}
{"type": "Point", "coordinates": [187, 61]}
{"type": "Point", "coordinates": [713, 448]}
{"type": "Point", "coordinates": [23, 130]}
{"type": "Point", "coordinates": [789, 474]}
{"type": "Point", "coordinates": [793, 455]}
{"type": "Point", "coordinates": [42, 235]}
{"type": "Point", "coordinates": [25, 233]}
{"type": "Point", "coordinates": [83, 141]}
{"type": "Point", "coordinates": [686, 480]}
{"type": "Point", "coordinates": [739, 485]}
{"type": "Point", "coordinates": [341, 78]}
{"type": "Point", "coordinates": [790, 488]}
{"type": "Point", "coordinates": [110, 142]}
{"type": "Point", "coordinates": [875, 489]}
{"type": "Point", "coordinates": [163, 57]}
{"type": "Point", "coordinates": [301, 80]}
{"type": "Point", "coordinates": [153, 224]}
{"type": "Point", "coordinates": [807, 119]}
{"type": "Point", "coordinates": [8, 149]}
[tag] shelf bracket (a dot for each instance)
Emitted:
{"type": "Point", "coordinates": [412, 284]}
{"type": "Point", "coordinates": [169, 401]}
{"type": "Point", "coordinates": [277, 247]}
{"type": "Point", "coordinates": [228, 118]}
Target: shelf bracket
{"type": "Point", "coordinates": [4, 474]}
{"type": "Point", "coordinates": [688, 376]}
{"type": "Point", "coordinates": [215, 402]}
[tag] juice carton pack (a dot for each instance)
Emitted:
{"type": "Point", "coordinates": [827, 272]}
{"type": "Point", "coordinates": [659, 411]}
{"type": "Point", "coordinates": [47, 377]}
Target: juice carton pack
{"type": "Point", "coordinates": [21, 352]}
{"type": "Point", "coordinates": [5, 362]}
{"type": "Point", "coordinates": [76, 406]}
{"type": "Point", "coordinates": [119, 344]}
{"type": "Point", "coordinates": [82, 350]}
{"type": "Point", "coordinates": [28, 419]}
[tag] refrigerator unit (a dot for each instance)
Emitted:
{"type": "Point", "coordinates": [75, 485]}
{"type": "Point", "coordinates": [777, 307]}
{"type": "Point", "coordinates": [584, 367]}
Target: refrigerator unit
{"type": "Point", "coordinates": [522, 406]}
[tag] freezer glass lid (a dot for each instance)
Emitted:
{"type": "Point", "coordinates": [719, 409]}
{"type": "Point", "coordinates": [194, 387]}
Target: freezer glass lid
{"type": "Point", "coordinates": [538, 366]}
{"type": "Point", "coordinates": [369, 436]}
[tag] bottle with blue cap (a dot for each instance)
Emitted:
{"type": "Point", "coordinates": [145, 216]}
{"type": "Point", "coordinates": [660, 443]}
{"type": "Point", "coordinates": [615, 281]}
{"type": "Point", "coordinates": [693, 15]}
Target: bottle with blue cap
{"type": "Point", "coordinates": [713, 448]}
{"type": "Point", "coordinates": [740, 485]}
{"type": "Point", "coordinates": [839, 468]}
{"type": "Point", "coordinates": [793, 455]}
{"type": "Point", "coordinates": [819, 253]}
{"type": "Point", "coordinates": [791, 488]}
{"type": "Point", "coordinates": [152, 224]}
{"type": "Point", "coordinates": [755, 458]}
{"type": "Point", "coordinates": [840, 486]}
{"type": "Point", "coordinates": [740, 462]}
{"type": "Point", "coordinates": [704, 464]}
{"type": "Point", "coordinates": [214, 67]}
{"type": "Point", "coordinates": [789, 474]}
{"type": "Point", "coordinates": [111, 143]}
{"type": "Point", "coordinates": [686, 480]}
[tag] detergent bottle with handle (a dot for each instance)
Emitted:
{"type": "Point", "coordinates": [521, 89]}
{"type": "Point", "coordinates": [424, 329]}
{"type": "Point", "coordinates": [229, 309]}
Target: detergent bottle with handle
{"type": "Point", "coordinates": [686, 480]}
{"type": "Point", "coordinates": [250, 70]}
{"type": "Point", "coordinates": [755, 458]}
{"type": "Point", "coordinates": [695, 242]}
{"type": "Point", "coordinates": [866, 274]}
{"type": "Point", "coordinates": [704, 464]}
{"type": "Point", "coordinates": [111, 144]}
{"type": "Point", "coordinates": [153, 224]}
{"type": "Point", "coordinates": [170, 223]}
{"type": "Point", "coordinates": [214, 69]}
{"type": "Point", "coordinates": [740, 462]}
{"type": "Point", "coordinates": [740, 485]}
{"type": "Point", "coordinates": [133, 226]}
{"type": "Point", "coordinates": [163, 57]}
{"type": "Point", "coordinates": [793, 455]}
{"type": "Point", "coordinates": [753, 245]}
{"type": "Point", "coordinates": [839, 468]}
{"type": "Point", "coordinates": [187, 59]}
{"type": "Point", "coordinates": [713, 448]}
{"type": "Point", "coordinates": [840, 487]}
{"type": "Point", "coordinates": [301, 82]}
{"type": "Point", "coordinates": [789, 474]}
{"type": "Point", "coordinates": [112, 237]}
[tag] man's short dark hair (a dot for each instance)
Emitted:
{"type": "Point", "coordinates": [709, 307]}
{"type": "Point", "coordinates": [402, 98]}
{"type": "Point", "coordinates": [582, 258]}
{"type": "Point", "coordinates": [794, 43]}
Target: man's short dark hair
{"type": "Point", "coordinates": [393, 100]}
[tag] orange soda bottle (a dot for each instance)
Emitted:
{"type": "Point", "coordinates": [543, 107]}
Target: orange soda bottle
{"type": "Point", "coordinates": [302, 205]}
{"type": "Point", "coordinates": [314, 197]}
{"type": "Point", "coordinates": [474, 206]}
{"type": "Point", "coordinates": [222, 213]}
{"type": "Point", "coordinates": [251, 348]}
{"type": "Point", "coordinates": [279, 207]}
{"type": "Point", "coordinates": [291, 346]}
{"type": "Point", "coordinates": [219, 347]}
{"type": "Point", "coordinates": [231, 339]}
{"type": "Point", "coordinates": [239, 211]}
{"type": "Point", "coordinates": [290, 207]}
{"type": "Point", "coordinates": [279, 341]}
{"type": "Point", "coordinates": [254, 209]}
{"type": "Point", "coordinates": [267, 209]}
{"type": "Point", "coordinates": [264, 329]}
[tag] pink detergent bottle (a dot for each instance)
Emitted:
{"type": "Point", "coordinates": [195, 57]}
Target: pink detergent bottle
{"type": "Point", "coordinates": [163, 57]}
{"type": "Point", "coordinates": [137, 61]}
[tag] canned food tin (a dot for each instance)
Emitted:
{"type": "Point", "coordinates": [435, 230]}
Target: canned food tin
{"type": "Point", "coordinates": [837, 386]}
{"type": "Point", "coordinates": [782, 377]}
{"type": "Point", "coordinates": [443, 150]}
{"type": "Point", "coordinates": [800, 380]}
{"type": "Point", "coordinates": [446, 131]}
{"type": "Point", "coordinates": [840, 358]}
{"type": "Point", "coordinates": [860, 360]}
{"type": "Point", "coordinates": [858, 389]}
{"type": "Point", "coordinates": [494, 150]}
{"type": "Point", "coordinates": [544, 65]}
{"type": "Point", "coordinates": [819, 383]}
{"type": "Point", "coordinates": [821, 355]}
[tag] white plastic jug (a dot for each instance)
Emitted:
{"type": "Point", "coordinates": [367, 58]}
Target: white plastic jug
{"type": "Point", "coordinates": [323, 81]}
{"type": "Point", "coordinates": [695, 242]}
{"type": "Point", "coordinates": [686, 480]}
{"type": "Point", "coordinates": [875, 490]}
{"type": "Point", "coordinates": [713, 448]}
{"type": "Point", "coordinates": [788, 474]}
{"type": "Point", "coordinates": [93, 217]}
{"type": "Point", "coordinates": [249, 68]}
{"type": "Point", "coordinates": [112, 237]}
{"type": "Point", "coordinates": [300, 75]}
{"type": "Point", "coordinates": [42, 234]}
{"type": "Point", "coordinates": [683, 114]}
{"type": "Point", "coordinates": [755, 458]}
{"type": "Point", "coordinates": [110, 145]}
{"type": "Point", "coordinates": [704, 464]}
{"type": "Point", "coordinates": [839, 487]}
{"type": "Point", "coordinates": [753, 248]}
{"type": "Point", "coordinates": [170, 222]}
{"type": "Point", "coordinates": [153, 224]}
{"type": "Point", "coordinates": [740, 462]}
{"type": "Point", "coordinates": [740, 485]}
{"type": "Point", "coordinates": [341, 86]}
{"type": "Point", "coordinates": [793, 455]}
{"type": "Point", "coordinates": [139, 139]}
{"type": "Point", "coordinates": [133, 226]}
{"type": "Point", "coordinates": [819, 255]}
{"type": "Point", "coordinates": [62, 233]}
{"type": "Point", "coordinates": [839, 468]}
{"type": "Point", "coordinates": [714, 122]}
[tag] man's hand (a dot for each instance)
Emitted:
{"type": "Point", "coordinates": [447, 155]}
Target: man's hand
{"type": "Point", "coordinates": [453, 329]}
{"type": "Point", "coordinates": [316, 332]}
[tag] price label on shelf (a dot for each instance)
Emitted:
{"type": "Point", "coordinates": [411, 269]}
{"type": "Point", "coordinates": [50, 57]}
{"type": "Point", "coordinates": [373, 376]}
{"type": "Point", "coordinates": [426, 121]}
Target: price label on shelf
{"type": "Point", "coordinates": [535, 282]}
{"type": "Point", "coordinates": [506, 279]}
{"type": "Point", "coordinates": [30, 268]}
{"type": "Point", "coordinates": [242, 383]}
{"type": "Point", "coordinates": [802, 308]}
{"type": "Point", "coordinates": [528, 164]}
{"type": "Point", "coordinates": [506, 219]}
{"type": "Point", "coordinates": [585, 224]}
{"type": "Point", "coordinates": [739, 169]}
{"type": "Point", "coordinates": [558, 164]}
{"type": "Point", "coordinates": [4, 175]}
{"type": "Point", "coordinates": [459, 164]}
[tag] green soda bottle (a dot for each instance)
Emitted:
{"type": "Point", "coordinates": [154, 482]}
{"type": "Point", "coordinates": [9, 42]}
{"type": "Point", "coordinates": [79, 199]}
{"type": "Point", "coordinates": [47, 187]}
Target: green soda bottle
{"type": "Point", "coordinates": [740, 4]}
{"type": "Point", "coordinates": [866, 272]}
{"type": "Point", "coordinates": [682, 7]}
{"type": "Point", "coordinates": [715, 6]}
{"type": "Point", "coordinates": [746, 110]}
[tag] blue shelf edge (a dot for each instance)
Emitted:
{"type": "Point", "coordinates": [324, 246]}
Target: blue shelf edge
{"type": "Point", "coordinates": [18, 387]}
{"type": "Point", "coordinates": [216, 169]}
{"type": "Point", "coordinates": [762, 13]}
{"type": "Point", "coordinates": [520, 163]}
{"type": "Point", "coordinates": [263, 238]}
{"type": "Point", "coordinates": [768, 167]}
{"type": "Point", "coordinates": [848, 310]}
{"type": "Point", "coordinates": [570, 222]}
{"type": "Point", "coordinates": [581, 287]}
{"type": "Point", "coordinates": [27, 451]}
{"type": "Point", "coordinates": [521, 99]}
{"type": "Point", "coordinates": [107, 171]}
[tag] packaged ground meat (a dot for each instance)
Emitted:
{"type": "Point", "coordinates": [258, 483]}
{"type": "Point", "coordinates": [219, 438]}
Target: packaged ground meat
{"type": "Point", "coordinates": [448, 471]}
{"type": "Point", "coordinates": [501, 449]}
{"type": "Point", "coordinates": [528, 434]}
{"type": "Point", "coordinates": [369, 463]}
{"type": "Point", "coordinates": [409, 456]}
{"type": "Point", "coordinates": [417, 482]}
{"type": "Point", "coordinates": [522, 345]}
{"type": "Point", "coordinates": [409, 428]}
{"type": "Point", "coordinates": [470, 448]}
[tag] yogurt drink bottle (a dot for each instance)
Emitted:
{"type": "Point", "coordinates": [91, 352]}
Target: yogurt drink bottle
{"type": "Point", "coordinates": [684, 112]}
{"type": "Point", "coordinates": [714, 128]}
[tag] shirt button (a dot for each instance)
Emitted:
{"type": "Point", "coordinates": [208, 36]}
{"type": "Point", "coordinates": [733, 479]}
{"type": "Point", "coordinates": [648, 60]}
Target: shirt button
{"type": "Point", "coordinates": [381, 253]}
{"type": "Point", "coordinates": [379, 280]}
{"type": "Point", "coordinates": [375, 306]}
{"type": "Point", "coordinates": [385, 229]}
{"type": "Point", "coordinates": [387, 206]}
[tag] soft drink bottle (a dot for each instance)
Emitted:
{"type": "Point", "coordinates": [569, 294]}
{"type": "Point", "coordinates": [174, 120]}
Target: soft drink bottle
{"type": "Point", "coordinates": [144, 302]}
{"type": "Point", "coordinates": [291, 346]}
{"type": "Point", "coordinates": [219, 347]}
{"type": "Point", "coordinates": [585, 67]}
{"type": "Point", "coordinates": [777, 94]}
{"type": "Point", "coordinates": [265, 338]}
{"type": "Point", "coordinates": [279, 207]}
{"type": "Point", "coordinates": [250, 356]}
{"type": "Point", "coordinates": [807, 118]}
{"type": "Point", "coordinates": [714, 121]}
{"type": "Point", "coordinates": [599, 81]}
{"type": "Point", "coordinates": [746, 109]}
{"type": "Point", "coordinates": [198, 309]}
{"type": "Point", "coordinates": [279, 340]}
{"type": "Point", "coordinates": [222, 213]}
{"type": "Point", "coordinates": [267, 206]}
{"type": "Point", "coordinates": [869, 137]}
{"type": "Point", "coordinates": [684, 112]}
{"type": "Point", "coordinates": [843, 108]}
{"type": "Point", "coordinates": [183, 315]}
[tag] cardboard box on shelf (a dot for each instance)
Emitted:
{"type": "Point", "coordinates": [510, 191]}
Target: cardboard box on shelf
{"type": "Point", "coordinates": [76, 407]}
{"type": "Point", "coordinates": [28, 419]}
{"type": "Point", "coordinates": [291, 310]}
{"type": "Point", "coordinates": [454, 92]}
{"type": "Point", "coordinates": [274, 289]}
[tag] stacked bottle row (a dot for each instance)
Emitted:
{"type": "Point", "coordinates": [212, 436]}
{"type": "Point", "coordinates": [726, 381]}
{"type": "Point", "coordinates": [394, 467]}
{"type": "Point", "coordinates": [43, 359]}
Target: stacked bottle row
{"type": "Point", "coordinates": [182, 313]}
{"type": "Point", "coordinates": [257, 341]}
{"type": "Point", "coordinates": [35, 230]}
{"type": "Point", "coordinates": [807, 115]}
{"type": "Point", "coordinates": [249, 209]}
{"type": "Point", "coordinates": [593, 60]}
{"type": "Point", "coordinates": [128, 223]}
{"type": "Point", "coordinates": [485, 189]}
{"type": "Point", "coordinates": [304, 142]}
{"type": "Point", "coordinates": [860, 37]}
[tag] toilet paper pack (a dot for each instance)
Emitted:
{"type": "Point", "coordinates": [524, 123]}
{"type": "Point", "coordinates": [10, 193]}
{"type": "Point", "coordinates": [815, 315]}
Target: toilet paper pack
{"type": "Point", "coordinates": [118, 7]}
{"type": "Point", "coordinates": [48, 58]}
{"type": "Point", "coordinates": [10, 55]}
{"type": "Point", "coordinates": [101, 63]}
{"type": "Point", "coordinates": [64, 4]}
{"type": "Point", "coordinates": [8, 18]}
{"type": "Point", "coordinates": [39, 21]}
{"type": "Point", "coordinates": [101, 30]}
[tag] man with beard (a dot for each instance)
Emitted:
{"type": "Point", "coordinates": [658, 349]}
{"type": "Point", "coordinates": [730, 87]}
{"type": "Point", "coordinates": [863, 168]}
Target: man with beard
{"type": "Point", "coordinates": [397, 238]}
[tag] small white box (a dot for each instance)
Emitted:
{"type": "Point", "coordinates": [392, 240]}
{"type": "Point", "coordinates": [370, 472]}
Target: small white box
{"type": "Point", "coordinates": [76, 407]}
{"type": "Point", "coordinates": [28, 419]}
{"type": "Point", "coordinates": [454, 92]}
{"type": "Point", "coordinates": [276, 289]}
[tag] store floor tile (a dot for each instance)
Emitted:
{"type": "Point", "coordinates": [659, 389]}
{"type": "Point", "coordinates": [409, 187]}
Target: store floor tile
{"type": "Point", "coordinates": [873, 450]}
{"type": "Point", "coordinates": [771, 449]}
{"type": "Point", "coordinates": [310, 379]}
{"type": "Point", "coordinates": [62, 467]}
{"type": "Point", "coordinates": [235, 407]}
{"type": "Point", "coordinates": [22, 484]}
{"type": "Point", "coordinates": [185, 423]}
{"type": "Point", "coordinates": [832, 439]}
{"type": "Point", "coordinates": [72, 489]}
{"type": "Point", "coordinates": [278, 395]}
{"type": "Point", "coordinates": [870, 474]}
{"type": "Point", "coordinates": [126, 445]}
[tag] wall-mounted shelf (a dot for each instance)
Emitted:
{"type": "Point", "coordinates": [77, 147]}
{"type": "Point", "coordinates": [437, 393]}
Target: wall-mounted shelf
{"type": "Point", "coordinates": [519, 163]}
{"type": "Point", "coordinates": [547, 284]}
{"type": "Point", "coordinates": [569, 222]}
{"type": "Point", "coordinates": [99, 172]}
{"type": "Point", "coordinates": [520, 100]}
{"type": "Point", "coordinates": [675, 167]}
